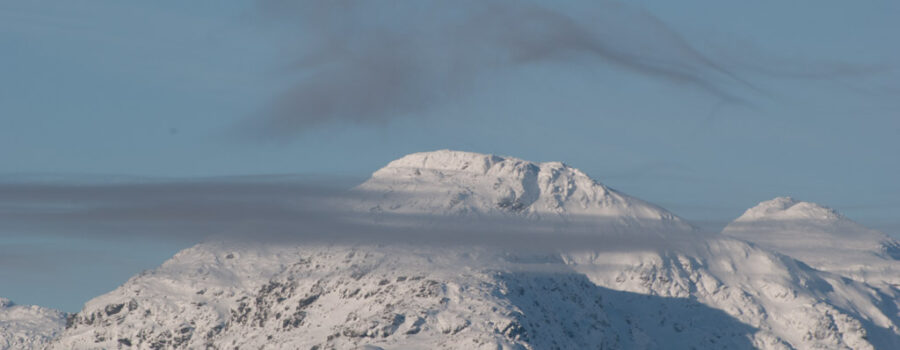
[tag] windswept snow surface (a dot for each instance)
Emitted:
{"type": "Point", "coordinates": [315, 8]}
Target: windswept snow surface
{"type": "Point", "coordinates": [822, 238]}
{"type": "Point", "coordinates": [28, 326]}
{"type": "Point", "coordinates": [717, 292]}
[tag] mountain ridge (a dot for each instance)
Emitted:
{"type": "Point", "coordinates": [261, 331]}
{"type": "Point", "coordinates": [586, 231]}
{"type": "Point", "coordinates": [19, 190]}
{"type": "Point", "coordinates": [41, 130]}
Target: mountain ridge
{"type": "Point", "coordinates": [719, 291]}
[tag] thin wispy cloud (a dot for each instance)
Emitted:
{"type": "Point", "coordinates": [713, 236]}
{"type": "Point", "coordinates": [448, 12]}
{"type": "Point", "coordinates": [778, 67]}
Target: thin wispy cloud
{"type": "Point", "coordinates": [372, 61]}
{"type": "Point", "coordinates": [269, 211]}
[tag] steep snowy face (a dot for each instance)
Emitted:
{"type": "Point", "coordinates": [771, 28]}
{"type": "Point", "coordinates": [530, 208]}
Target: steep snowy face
{"type": "Point", "coordinates": [791, 305]}
{"type": "Point", "coordinates": [820, 237]}
{"type": "Point", "coordinates": [28, 326]}
{"type": "Point", "coordinates": [462, 183]}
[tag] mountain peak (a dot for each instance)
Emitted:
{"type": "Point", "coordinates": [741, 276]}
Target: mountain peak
{"type": "Point", "coordinates": [448, 160]}
{"type": "Point", "coordinates": [454, 182]}
{"type": "Point", "coordinates": [788, 208]}
{"type": "Point", "coordinates": [820, 237]}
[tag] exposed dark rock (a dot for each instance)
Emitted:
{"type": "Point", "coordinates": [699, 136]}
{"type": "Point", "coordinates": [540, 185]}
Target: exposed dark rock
{"type": "Point", "coordinates": [113, 309]}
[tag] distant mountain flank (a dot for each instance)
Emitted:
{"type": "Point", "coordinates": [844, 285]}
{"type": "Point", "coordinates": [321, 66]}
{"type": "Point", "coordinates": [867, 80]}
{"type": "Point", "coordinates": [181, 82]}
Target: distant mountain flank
{"type": "Point", "coordinates": [820, 237]}
{"type": "Point", "coordinates": [28, 326]}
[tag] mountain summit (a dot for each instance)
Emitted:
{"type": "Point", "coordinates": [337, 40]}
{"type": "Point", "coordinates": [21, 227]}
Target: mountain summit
{"type": "Point", "coordinates": [820, 237]}
{"type": "Point", "coordinates": [787, 208]}
{"type": "Point", "coordinates": [449, 182]}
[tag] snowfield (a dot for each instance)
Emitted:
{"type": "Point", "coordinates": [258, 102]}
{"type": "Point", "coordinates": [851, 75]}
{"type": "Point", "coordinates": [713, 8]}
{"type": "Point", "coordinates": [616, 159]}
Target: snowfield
{"type": "Point", "coordinates": [785, 275]}
{"type": "Point", "coordinates": [822, 238]}
{"type": "Point", "coordinates": [28, 326]}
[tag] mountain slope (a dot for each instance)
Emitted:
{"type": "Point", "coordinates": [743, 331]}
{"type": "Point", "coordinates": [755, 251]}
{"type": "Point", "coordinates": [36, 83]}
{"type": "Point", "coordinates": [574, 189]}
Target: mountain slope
{"type": "Point", "coordinates": [704, 292]}
{"type": "Point", "coordinates": [400, 297]}
{"type": "Point", "coordinates": [787, 301]}
{"type": "Point", "coordinates": [28, 326]}
{"type": "Point", "coordinates": [820, 237]}
{"type": "Point", "coordinates": [726, 294]}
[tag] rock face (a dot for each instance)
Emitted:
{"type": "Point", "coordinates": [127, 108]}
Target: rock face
{"type": "Point", "coordinates": [28, 326]}
{"type": "Point", "coordinates": [822, 238]}
{"type": "Point", "coordinates": [717, 292]}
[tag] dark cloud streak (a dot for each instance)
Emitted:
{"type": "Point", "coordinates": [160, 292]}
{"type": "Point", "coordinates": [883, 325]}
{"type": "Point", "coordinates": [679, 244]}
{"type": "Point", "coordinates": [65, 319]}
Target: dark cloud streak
{"type": "Point", "coordinates": [188, 212]}
{"type": "Point", "coordinates": [369, 61]}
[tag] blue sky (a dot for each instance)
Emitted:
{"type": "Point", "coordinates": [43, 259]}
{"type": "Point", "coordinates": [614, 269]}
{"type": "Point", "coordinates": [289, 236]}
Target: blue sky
{"type": "Point", "coordinates": [704, 107]}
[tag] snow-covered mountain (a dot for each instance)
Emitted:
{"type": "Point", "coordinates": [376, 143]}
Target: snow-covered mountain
{"type": "Point", "coordinates": [820, 237]}
{"type": "Point", "coordinates": [389, 297]}
{"type": "Point", "coordinates": [708, 293]}
{"type": "Point", "coordinates": [28, 326]}
{"type": "Point", "coordinates": [454, 183]}
{"type": "Point", "coordinates": [725, 294]}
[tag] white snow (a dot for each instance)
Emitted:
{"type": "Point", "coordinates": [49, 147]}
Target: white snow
{"type": "Point", "coordinates": [28, 326]}
{"type": "Point", "coordinates": [719, 292]}
{"type": "Point", "coordinates": [822, 238]}
{"type": "Point", "coordinates": [454, 183]}
{"type": "Point", "coordinates": [787, 209]}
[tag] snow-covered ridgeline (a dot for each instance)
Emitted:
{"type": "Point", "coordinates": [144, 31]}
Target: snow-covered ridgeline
{"type": "Point", "coordinates": [720, 292]}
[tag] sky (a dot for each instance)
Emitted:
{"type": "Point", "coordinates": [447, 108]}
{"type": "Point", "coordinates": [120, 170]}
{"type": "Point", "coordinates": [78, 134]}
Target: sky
{"type": "Point", "coordinates": [703, 107]}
